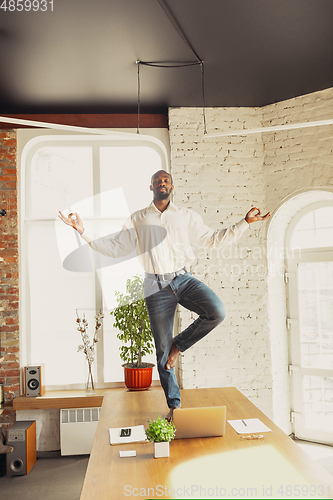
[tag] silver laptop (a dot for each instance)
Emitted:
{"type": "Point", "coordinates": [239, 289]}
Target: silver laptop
{"type": "Point", "coordinates": [200, 422]}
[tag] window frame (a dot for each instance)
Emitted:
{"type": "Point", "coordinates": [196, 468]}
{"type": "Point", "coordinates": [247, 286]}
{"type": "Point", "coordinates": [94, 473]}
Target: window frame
{"type": "Point", "coordinates": [296, 219]}
{"type": "Point", "coordinates": [294, 256]}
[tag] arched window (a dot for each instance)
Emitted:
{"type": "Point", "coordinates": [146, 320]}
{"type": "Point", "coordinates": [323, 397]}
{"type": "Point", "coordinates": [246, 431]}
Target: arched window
{"type": "Point", "coordinates": [312, 228]}
{"type": "Point", "coordinates": [309, 278]}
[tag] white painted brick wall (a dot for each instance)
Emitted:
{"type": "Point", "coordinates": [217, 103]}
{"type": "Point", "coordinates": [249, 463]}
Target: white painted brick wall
{"type": "Point", "coordinates": [221, 178]}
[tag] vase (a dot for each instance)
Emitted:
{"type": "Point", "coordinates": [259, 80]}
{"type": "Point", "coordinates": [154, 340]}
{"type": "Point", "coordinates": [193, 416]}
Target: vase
{"type": "Point", "coordinates": [90, 388]}
{"type": "Point", "coordinates": [161, 450]}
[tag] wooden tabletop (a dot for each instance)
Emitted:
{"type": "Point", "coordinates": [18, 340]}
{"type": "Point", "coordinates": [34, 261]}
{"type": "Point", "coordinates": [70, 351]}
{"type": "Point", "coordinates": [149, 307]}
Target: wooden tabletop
{"type": "Point", "coordinates": [219, 467]}
{"type": "Point", "coordinates": [60, 399]}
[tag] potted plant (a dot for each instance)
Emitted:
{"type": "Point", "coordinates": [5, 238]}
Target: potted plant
{"type": "Point", "coordinates": [160, 431]}
{"type": "Point", "coordinates": [132, 321]}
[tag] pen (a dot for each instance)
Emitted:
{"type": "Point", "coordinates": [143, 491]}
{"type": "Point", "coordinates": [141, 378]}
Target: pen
{"type": "Point", "coordinates": [244, 422]}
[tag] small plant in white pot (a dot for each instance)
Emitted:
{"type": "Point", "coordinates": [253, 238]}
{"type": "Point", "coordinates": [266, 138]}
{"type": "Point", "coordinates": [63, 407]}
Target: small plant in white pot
{"type": "Point", "coordinates": [160, 431]}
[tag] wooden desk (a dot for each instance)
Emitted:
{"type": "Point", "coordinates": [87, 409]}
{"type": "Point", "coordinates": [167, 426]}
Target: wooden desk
{"type": "Point", "coordinates": [227, 466]}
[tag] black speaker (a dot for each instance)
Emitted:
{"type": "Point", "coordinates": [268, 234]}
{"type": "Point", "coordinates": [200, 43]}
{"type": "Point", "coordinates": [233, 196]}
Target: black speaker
{"type": "Point", "coordinates": [22, 436]}
{"type": "Point", "coordinates": [34, 381]}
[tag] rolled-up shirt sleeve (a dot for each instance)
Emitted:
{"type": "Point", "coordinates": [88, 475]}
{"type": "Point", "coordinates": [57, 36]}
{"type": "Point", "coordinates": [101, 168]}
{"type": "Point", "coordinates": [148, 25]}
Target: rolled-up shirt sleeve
{"type": "Point", "coordinates": [114, 245]}
{"type": "Point", "coordinates": [203, 236]}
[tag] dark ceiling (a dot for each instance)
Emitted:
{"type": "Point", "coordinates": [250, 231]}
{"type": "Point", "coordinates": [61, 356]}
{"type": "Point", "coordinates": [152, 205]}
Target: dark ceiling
{"type": "Point", "coordinates": [80, 57]}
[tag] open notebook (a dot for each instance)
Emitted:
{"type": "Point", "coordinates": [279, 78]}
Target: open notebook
{"type": "Point", "coordinates": [138, 435]}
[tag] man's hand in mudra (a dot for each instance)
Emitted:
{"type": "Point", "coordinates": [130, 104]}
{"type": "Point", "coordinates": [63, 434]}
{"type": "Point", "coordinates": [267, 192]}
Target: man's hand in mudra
{"type": "Point", "coordinates": [251, 216]}
{"type": "Point", "coordinates": [73, 220]}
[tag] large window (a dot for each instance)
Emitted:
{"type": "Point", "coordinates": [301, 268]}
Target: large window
{"type": "Point", "coordinates": [104, 180]}
{"type": "Point", "coordinates": [310, 304]}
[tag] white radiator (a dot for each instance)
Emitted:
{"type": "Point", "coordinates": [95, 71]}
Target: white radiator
{"type": "Point", "coordinates": [77, 430]}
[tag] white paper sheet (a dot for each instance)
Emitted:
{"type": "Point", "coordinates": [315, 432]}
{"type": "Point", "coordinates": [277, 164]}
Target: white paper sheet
{"type": "Point", "coordinates": [138, 434]}
{"type": "Point", "coordinates": [129, 453]}
{"type": "Point", "coordinates": [252, 425]}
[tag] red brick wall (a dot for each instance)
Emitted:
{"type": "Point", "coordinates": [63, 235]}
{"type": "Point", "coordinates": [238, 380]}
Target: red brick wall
{"type": "Point", "coordinates": [9, 274]}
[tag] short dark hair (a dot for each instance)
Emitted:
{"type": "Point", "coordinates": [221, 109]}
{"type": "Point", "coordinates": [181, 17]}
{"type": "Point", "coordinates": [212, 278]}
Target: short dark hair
{"type": "Point", "coordinates": [158, 172]}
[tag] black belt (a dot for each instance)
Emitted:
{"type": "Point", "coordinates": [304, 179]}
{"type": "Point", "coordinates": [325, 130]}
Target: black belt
{"type": "Point", "coordinates": [165, 277]}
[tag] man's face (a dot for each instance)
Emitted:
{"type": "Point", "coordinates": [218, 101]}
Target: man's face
{"type": "Point", "coordinates": [161, 186]}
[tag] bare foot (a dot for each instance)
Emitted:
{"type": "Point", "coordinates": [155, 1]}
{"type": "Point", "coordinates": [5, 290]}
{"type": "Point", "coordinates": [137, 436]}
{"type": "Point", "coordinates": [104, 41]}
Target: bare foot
{"type": "Point", "coordinates": [171, 362]}
{"type": "Point", "coordinates": [169, 416]}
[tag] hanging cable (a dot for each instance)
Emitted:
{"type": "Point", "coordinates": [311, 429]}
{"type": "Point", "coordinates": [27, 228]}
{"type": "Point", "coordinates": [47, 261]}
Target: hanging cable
{"type": "Point", "coordinates": [138, 128]}
{"type": "Point", "coordinates": [203, 95]}
{"type": "Point", "coordinates": [199, 61]}
{"type": "Point", "coordinates": [169, 64]}
{"type": "Point", "coordinates": [177, 27]}
{"type": "Point", "coordinates": [174, 65]}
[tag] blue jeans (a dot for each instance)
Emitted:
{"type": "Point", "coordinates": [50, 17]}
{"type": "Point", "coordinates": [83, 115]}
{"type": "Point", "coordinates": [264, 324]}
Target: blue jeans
{"type": "Point", "coordinates": [193, 295]}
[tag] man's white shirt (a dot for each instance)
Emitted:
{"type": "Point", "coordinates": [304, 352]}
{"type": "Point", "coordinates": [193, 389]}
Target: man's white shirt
{"type": "Point", "coordinates": [163, 241]}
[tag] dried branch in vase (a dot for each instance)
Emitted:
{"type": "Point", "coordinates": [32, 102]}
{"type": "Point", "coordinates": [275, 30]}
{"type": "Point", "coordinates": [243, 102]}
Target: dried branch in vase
{"type": "Point", "coordinates": [87, 347]}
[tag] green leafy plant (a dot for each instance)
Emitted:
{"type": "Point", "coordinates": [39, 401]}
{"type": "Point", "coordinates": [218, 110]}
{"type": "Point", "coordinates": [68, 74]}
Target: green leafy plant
{"type": "Point", "coordinates": [160, 430]}
{"type": "Point", "coordinates": [132, 321]}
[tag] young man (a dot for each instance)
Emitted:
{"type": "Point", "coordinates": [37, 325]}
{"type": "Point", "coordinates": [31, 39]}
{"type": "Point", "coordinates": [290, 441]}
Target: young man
{"type": "Point", "coordinates": [164, 235]}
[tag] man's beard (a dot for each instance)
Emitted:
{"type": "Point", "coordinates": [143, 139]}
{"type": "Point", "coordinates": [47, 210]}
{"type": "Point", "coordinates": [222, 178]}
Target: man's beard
{"type": "Point", "coordinates": [161, 195]}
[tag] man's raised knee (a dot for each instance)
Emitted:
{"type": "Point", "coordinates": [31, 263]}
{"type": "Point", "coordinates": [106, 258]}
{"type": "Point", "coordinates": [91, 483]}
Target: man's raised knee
{"type": "Point", "coordinates": [220, 314]}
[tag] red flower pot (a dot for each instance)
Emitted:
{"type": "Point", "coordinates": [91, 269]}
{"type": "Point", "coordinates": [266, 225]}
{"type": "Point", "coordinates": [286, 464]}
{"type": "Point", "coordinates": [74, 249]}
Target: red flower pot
{"type": "Point", "coordinates": [138, 379]}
